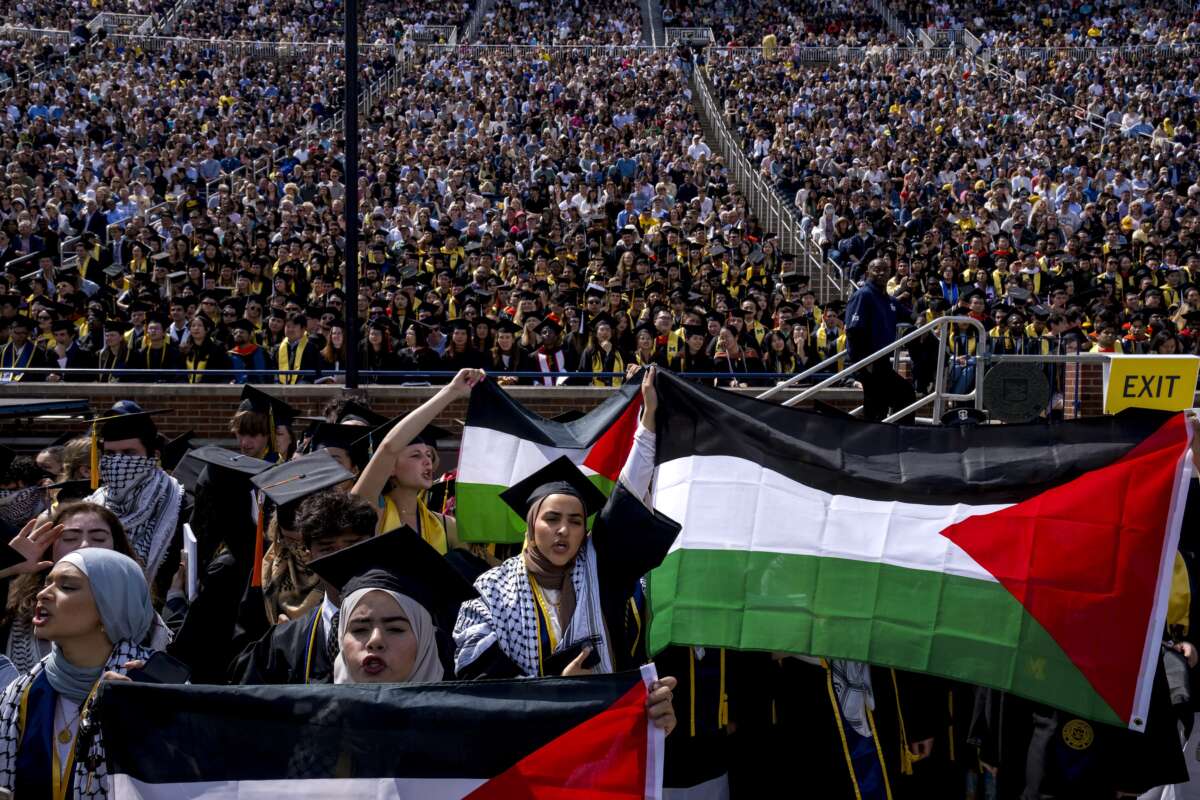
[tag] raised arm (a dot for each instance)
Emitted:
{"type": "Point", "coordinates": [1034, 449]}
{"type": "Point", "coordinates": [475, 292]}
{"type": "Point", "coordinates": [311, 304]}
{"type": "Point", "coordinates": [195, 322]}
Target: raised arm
{"type": "Point", "coordinates": [372, 480]}
{"type": "Point", "coordinates": [638, 471]}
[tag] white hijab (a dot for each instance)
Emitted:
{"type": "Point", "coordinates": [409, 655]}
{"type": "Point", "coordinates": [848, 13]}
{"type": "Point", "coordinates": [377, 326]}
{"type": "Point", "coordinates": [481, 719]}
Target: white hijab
{"type": "Point", "coordinates": [428, 666]}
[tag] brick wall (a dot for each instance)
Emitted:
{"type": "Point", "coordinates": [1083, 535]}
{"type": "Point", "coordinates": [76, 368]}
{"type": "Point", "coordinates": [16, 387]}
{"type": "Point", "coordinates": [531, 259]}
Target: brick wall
{"type": "Point", "coordinates": [206, 409]}
{"type": "Point", "coordinates": [1083, 393]}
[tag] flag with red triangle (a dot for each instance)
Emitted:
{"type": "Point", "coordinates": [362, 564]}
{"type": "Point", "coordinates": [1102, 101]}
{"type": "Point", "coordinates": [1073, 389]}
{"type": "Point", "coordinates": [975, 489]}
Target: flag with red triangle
{"type": "Point", "coordinates": [1034, 558]}
{"type": "Point", "coordinates": [503, 442]}
{"type": "Point", "coordinates": [563, 738]}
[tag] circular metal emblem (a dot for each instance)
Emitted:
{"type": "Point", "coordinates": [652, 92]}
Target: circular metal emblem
{"type": "Point", "coordinates": [1078, 734]}
{"type": "Point", "coordinates": [1016, 392]}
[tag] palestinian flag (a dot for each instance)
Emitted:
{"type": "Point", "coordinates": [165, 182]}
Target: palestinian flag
{"type": "Point", "coordinates": [1031, 558]}
{"type": "Point", "coordinates": [562, 738]}
{"type": "Point", "coordinates": [503, 442]}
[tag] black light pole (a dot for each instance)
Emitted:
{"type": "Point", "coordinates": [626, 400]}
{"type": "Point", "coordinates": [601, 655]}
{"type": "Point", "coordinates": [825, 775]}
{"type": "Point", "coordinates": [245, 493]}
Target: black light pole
{"type": "Point", "coordinates": [350, 156]}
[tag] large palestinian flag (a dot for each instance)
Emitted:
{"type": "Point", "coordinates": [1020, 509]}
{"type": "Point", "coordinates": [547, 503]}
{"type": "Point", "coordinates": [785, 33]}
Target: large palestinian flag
{"type": "Point", "coordinates": [503, 442]}
{"type": "Point", "coordinates": [561, 738]}
{"type": "Point", "coordinates": [1030, 558]}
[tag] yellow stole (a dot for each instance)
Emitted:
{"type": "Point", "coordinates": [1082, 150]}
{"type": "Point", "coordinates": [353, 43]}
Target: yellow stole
{"type": "Point", "coordinates": [284, 364]}
{"type": "Point", "coordinates": [432, 530]}
{"type": "Point", "coordinates": [823, 343]}
{"type": "Point", "coordinates": [598, 366]}
{"type": "Point", "coordinates": [193, 362]}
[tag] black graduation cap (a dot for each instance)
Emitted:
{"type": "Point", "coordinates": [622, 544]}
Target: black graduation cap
{"type": "Point", "coordinates": [508, 326]}
{"type": "Point", "coordinates": [399, 561]}
{"type": "Point", "coordinates": [343, 437]}
{"type": "Point", "coordinates": [127, 420]}
{"type": "Point", "coordinates": [174, 450]}
{"type": "Point", "coordinates": [603, 318]}
{"type": "Point", "coordinates": [254, 399]}
{"type": "Point", "coordinates": [226, 459]}
{"type": "Point", "coordinates": [560, 476]}
{"type": "Point", "coordinates": [695, 330]}
{"type": "Point", "coordinates": [551, 325]}
{"type": "Point", "coordinates": [71, 491]}
{"type": "Point", "coordinates": [357, 411]}
{"type": "Point", "coordinates": [295, 480]}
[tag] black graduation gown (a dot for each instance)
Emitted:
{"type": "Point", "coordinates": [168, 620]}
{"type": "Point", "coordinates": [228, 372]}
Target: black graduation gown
{"type": "Point", "coordinates": [518, 361]}
{"type": "Point", "coordinates": [223, 619]}
{"type": "Point", "coordinates": [291, 652]}
{"type": "Point", "coordinates": [810, 740]}
{"type": "Point", "coordinates": [630, 540]}
{"type": "Point", "coordinates": [1046, 754]}
{"type": "Point", "coordinates": [148, 361]}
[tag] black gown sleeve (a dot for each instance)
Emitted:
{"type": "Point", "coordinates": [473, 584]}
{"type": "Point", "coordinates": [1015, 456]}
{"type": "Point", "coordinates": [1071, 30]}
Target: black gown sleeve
{"type": "Point", "coordinates": [630, 539]}
{"type": "Point", "coordinates": [279, 657]}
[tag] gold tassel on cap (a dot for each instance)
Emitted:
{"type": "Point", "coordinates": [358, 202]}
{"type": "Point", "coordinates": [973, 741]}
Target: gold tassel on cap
{"type": "Point", "coordinates": [94, 464]}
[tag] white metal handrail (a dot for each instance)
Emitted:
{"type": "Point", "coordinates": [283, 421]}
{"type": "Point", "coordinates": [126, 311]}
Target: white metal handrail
{"type": "Point", "coordinates": [763, 201]}
{"type": "Point", "coordinates": [939, 395]}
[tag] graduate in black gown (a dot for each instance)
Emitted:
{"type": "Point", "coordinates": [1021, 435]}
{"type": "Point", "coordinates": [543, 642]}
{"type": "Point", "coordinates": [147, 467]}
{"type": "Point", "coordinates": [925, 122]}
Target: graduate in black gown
{"type": "Point", "coordinates": [328, 520]}
{"type": "Point", "coordinates": [561, 604]}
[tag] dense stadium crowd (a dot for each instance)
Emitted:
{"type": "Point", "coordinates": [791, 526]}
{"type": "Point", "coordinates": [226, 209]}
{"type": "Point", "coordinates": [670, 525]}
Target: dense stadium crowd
{"type": "Point", "coordinates": [550, 216]}
{"type": "Point", "coordinates": [546, 22]}
{"type": "Point", "coordinates": [826, 23]}
{"type": "Point", "coordinates": [1039, 24]}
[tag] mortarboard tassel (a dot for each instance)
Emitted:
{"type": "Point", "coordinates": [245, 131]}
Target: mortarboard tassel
{"type": "Point", "coordinates": [94, 461]}
{"type": "Point", "coordinates": [256, 573]}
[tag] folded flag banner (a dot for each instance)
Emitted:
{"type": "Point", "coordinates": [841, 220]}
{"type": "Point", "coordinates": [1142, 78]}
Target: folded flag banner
{"type": "Point", "coordinates": [503, 442]}
{"type": "Point", "coordinates": [563, 738]}
{"type": "Point", "coordinates": [1031, 558]}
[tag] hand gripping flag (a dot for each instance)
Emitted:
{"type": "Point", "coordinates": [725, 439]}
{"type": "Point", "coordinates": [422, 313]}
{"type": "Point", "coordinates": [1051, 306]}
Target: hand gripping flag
{"type": "Point", "coordinates": [503, 443]}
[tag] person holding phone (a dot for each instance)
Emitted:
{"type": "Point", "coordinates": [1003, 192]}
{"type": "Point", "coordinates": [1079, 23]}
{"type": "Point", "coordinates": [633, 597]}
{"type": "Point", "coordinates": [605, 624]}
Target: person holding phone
{"type": "Point", "coordinates": [95, 609]}
{"type": "Point", "coordinates": [558, 608]}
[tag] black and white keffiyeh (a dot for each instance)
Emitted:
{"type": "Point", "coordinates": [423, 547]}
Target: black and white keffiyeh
{"type": "Point", "coordinates": [10, 734]}
{"type": "Point", "coordinates": [504, 613]}
{"type": "Point", "coordinates": [146, 500]}
{"type": "Point", "coordinates": [18, 506]}
{"type": "Point", "coordinates": [25, 650]}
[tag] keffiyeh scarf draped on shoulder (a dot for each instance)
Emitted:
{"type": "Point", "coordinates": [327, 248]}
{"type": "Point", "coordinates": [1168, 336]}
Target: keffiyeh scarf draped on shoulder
{"type": "Point", "coordinates": [10, 729]}
{"type": "Point", "coordinates": [146, 500]}
{"type": "Point", "coordinates": [504, 614]}
{"type": "Point", "coordinates": [25, 650]}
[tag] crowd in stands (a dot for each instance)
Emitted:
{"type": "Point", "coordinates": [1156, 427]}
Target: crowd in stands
{"type": "Point", "coordinates": [827, 23]}
{"type": "Point", "coordinates": [1033, 23]}
{"type": "Point", "coordinates": [530, 22]}
{"type": "Point", "coordinates": [981, 192]}
{"type": "Point", "coordinates": [564, 215]}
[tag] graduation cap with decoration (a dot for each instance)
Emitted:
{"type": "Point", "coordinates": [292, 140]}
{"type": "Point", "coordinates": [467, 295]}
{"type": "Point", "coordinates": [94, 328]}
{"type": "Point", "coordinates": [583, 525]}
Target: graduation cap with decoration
{"type": "Point", "coordinates": [286, 485]}
{"type": "Point", "coordinates": [560, 476]}
{"type": "Point", "coordinates": [398, 561]}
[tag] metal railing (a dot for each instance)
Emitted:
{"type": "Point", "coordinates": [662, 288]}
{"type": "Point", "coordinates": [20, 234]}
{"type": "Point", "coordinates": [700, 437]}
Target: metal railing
{"type": "Point", "coordinates": [938, 397]}
{"type": "Point", "coordinates": [894, 25]}
{"type": "Point", "coordinates": [482, 9]}
{"type": "Point", "coordinates": [828, 281]}
{"type": "Point", "coordinates": [110, 22]}
{"type": "Point", "coordinates": [653, 33]}
{"type": "Point", "coordinates": [697, 35]}
{"type": "Point", "coordinates": [432, 34]}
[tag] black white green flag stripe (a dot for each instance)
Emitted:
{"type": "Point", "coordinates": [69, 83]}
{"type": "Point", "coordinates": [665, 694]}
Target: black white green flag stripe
{"type": "Point", "coordinates": [503, 443]}
{"type": "Point", "coordinates": [1030, 558]}
{"type": "Point", "coordinates": [570, 738]}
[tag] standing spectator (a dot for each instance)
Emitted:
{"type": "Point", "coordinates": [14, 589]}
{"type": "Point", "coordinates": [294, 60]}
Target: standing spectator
{"type": "Point", "coordinates": [871, 326]}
